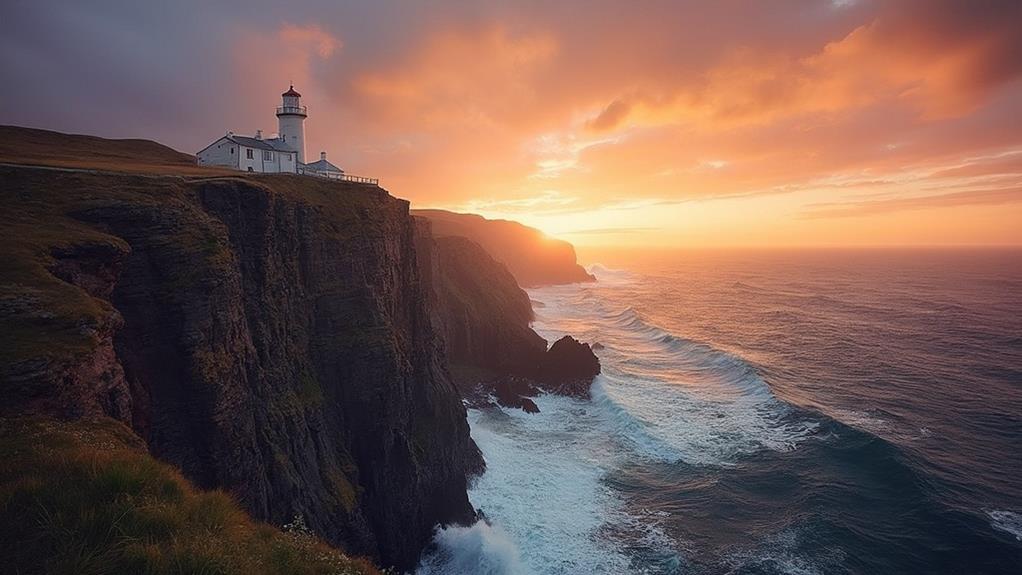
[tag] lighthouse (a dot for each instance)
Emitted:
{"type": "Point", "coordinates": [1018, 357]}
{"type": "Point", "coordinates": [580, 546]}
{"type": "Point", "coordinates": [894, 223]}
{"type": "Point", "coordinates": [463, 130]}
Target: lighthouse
{"type": "Point", "coordinates": [284, 154]}
{"type": "Point", "coordinates": [291, 122]}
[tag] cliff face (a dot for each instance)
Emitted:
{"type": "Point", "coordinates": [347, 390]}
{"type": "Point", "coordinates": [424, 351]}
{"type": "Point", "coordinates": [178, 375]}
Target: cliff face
{"type": "Point", "coordinates": [531, 257]}
{"type": "Point", "coordinates": [268, 335]}
{"type": "Point", "coordinates": [485, 314]}
{"type": "Point", "coordinates": [485, 318]}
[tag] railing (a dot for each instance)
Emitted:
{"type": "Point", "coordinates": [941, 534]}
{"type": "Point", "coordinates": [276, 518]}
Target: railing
{"type": "Point", "coordinates": [303, 110]}
{"type": "Point", "coordinates": [360, 179]}
{"type": "Point", "coordinates": [340, 177]}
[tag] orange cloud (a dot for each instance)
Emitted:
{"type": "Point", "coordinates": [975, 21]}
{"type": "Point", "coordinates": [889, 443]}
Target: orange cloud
{"type": "Point", "coordinates": [627, 116]}
{"type": "Point", "coordinates": [303, 38]}
{"type": "Point", "coordinates": [481, 78]}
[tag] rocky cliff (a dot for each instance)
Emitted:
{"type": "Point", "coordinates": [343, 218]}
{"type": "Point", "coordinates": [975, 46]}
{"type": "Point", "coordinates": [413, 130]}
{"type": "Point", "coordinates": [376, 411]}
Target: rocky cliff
{"type": "Point", "coordinates": [532, 258]}
{"type": "Point", "coordinates": [268, 335]}
{"type": "Point", "coordinates": [486, 321]}
{"type": "Point", "coordinates": [486, 316]}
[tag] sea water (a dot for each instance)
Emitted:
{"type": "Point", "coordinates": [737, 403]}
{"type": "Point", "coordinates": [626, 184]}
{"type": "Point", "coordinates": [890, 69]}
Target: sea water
{"type": "Point", "coordinates": [828, 411]}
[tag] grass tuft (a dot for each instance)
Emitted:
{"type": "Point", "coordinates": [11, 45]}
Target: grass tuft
{"type": "Point", "coordinates": [85, 498]}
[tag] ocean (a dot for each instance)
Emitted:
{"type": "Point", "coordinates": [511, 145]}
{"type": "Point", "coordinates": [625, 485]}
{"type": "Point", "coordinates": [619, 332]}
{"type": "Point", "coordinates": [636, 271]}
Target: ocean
{"type": "Point", "coordinates": [767, 412]}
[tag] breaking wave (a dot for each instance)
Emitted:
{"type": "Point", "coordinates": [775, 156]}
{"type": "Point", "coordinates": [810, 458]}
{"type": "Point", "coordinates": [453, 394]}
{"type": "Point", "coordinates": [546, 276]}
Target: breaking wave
{"type": "Point", "coordinates": [1007, 521]}
{"type": "Point", "coordinates": [480, 549]}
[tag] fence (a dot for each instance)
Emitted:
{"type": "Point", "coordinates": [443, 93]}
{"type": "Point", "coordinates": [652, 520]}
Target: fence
{"type": "Point", "coordinates": [340, 177]}
{"type": "Point", "coordinates": [360, 179]}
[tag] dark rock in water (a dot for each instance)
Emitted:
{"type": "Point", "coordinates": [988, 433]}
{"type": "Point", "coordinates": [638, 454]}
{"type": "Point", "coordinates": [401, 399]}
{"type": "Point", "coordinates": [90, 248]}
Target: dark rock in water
{"type": "Point", "coordinates": [597, 346]}
{"type": "Point", "coordinates": [514, 391]}
{"type": "Point", "coordinates": [568, 368]}
{"type": "Point", "coordinates": [520, 402]}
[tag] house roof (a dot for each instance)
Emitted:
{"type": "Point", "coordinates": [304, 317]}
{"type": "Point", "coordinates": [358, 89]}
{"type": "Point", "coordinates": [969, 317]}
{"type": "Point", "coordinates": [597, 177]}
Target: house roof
{"type": "Point", "coordinates": [272, 144]}
{"type": "Point", "coordinates": [323, 166]}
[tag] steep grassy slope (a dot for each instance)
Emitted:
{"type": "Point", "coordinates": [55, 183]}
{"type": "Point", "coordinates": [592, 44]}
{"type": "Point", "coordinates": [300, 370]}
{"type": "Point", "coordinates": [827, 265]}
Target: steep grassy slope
{"type": "Point", "coordinates": [85, 498]}
{"type": "Point", "coordinates": [30, 146]}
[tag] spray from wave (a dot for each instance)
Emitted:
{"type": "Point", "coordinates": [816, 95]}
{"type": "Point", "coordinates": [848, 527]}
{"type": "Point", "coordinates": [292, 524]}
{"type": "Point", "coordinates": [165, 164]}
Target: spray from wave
{"type": "Point", "coordinates": [480, 548]}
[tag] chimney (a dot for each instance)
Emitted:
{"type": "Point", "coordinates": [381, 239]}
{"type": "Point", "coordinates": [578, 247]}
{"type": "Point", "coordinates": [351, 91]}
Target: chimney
{"type": "Point", "coordinates": [259, 134]}
{"type": "Point", "coordinates": [322, 156]}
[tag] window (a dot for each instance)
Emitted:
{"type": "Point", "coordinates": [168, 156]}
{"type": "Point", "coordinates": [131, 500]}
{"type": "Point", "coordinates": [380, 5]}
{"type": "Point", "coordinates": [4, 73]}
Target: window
{"type": "Point", "coordinates": [248, 154]}
{"type": "Point", "coordinates": [267, 155]}
{"type": "Point", "coordinates": [232, 150]}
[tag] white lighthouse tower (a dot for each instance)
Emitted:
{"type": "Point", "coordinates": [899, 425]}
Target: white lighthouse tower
{"type": "Point", "coordinates": [291, 122]}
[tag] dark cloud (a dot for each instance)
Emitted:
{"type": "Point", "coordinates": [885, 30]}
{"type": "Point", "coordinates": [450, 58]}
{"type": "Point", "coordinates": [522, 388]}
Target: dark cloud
{"type": "Point", "coordinates": [610, 117]}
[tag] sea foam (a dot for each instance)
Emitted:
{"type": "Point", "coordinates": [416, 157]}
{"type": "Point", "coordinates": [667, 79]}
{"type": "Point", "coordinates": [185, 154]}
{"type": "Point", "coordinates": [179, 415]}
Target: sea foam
{"type": "Point", "coordinates": [1007, 521]}
{"type": "Point", "coordinates": [480, 549]}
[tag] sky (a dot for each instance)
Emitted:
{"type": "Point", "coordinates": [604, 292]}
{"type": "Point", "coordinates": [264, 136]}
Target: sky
{"type": "Point", "coordinates": [642, 123]}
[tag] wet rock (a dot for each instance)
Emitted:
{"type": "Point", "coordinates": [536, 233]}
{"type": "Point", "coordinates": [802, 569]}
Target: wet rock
{"type": "Point", "coordinates": [568, 368]}
{"type": "Point", "coordinates": [512, 391]}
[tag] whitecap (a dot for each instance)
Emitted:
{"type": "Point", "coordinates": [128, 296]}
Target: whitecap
{"type": "Point", "coordinates": [1007, 521]}
{"type": "Point", "coordinates": [480, 549]}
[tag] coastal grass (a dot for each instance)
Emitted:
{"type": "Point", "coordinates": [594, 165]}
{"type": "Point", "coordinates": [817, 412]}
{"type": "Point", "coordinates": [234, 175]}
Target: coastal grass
{"type": "Point", "coordinates": [85, 498]}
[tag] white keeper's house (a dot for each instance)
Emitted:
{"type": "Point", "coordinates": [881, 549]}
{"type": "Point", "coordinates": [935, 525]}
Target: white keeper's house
{"type": "Point", "coordinates": [283, 152]}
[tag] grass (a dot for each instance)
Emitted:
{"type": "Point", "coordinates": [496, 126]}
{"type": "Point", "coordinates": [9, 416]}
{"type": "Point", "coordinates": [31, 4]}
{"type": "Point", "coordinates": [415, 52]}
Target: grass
{"type": "Point", "coordinates": [85, 498]}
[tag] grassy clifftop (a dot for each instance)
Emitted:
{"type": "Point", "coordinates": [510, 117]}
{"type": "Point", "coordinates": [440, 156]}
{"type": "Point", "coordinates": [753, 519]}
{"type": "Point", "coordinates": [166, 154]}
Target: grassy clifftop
{"type": "Point", "coordinates": [31, 146]}
{"type": "Point", "coordinates": [85, 497]}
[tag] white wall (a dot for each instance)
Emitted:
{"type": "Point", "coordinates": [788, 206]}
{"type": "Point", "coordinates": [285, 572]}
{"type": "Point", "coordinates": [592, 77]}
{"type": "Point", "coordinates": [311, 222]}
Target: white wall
{"type": "Point", "coordinates": [222, 152]}
{"type": "Point", "coordinates": [255, 163]}
{"type": "Point", "coordinates": [293, 128]}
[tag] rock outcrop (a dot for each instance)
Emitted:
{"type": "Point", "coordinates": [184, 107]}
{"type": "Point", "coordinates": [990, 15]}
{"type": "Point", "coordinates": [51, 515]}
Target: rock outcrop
{"type": "Point", "coordinates": [532, 258]}
{"type": "Point", "coordinates": [568, 367]}
{"type": "Point", "coordinates": [270, 336]}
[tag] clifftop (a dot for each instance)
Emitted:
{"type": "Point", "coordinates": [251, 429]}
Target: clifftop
{"type": "Point", "coordinates": [533, 258]}
{"type": "Point", "coordinates": [31, 146]}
